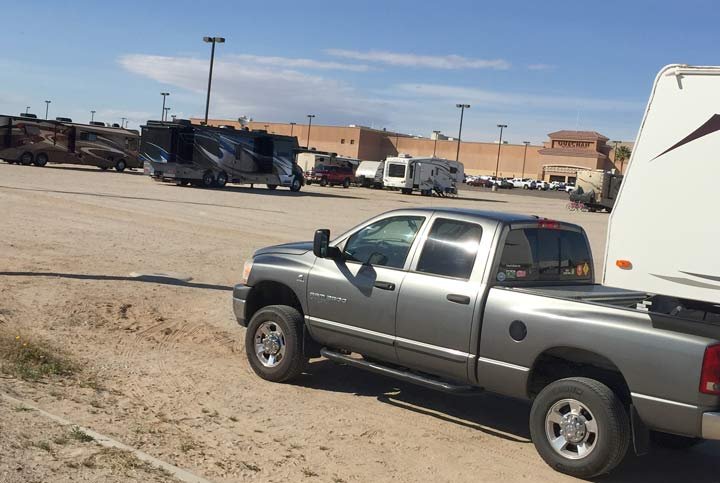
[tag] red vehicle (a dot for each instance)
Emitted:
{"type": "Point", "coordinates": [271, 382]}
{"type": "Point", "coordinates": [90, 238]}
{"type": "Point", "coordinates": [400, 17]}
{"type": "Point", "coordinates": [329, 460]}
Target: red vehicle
{"type": "Point", "coordinates": [331, 175]}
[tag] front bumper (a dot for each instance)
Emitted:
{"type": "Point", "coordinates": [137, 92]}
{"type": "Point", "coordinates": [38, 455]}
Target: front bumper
{"type": "Point", "coordinates": [240, 295]}
{"type": "Point", "coordinates": [711, 426]}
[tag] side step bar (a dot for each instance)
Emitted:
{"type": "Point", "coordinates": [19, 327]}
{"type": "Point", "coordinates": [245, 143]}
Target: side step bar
{"type": "Point", "coordinates": [403, 375]}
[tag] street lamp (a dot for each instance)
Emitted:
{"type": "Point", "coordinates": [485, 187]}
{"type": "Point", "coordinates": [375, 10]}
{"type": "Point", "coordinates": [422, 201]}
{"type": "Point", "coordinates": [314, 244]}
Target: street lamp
{"type": "Point", "coordinates": [47, 106]}
{"type": "Point", "coordinates": [166, 110]}
{"type": "Point", "coordinates": [292, 126]}
{"type": "Point", "coordinates": [524, 158]}
{"type": "Point", "coordinates": [213, 41]}
{"type": "Point", "coordinates": [27, 109]}
{"type": "Point", "coordinates": [497, 164]}
{"type": "Point", "coordinates": [173, 117]}
{"type": "Point", "coordinates": [310, 118]}
{"type": "Point", "coordinates": [92, 116]}
{"type": "Point", "coordinates": [162, 113]}
{"type": "Point", "coordinates": [437, 134]}
{"type": "Point", "coordinates": [122, 122]}
{"type": "Point", "coordinates": [462, 108]}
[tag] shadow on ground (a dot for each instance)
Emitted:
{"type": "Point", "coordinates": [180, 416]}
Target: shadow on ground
{"type": "Point", "coordinates": [115, 278]}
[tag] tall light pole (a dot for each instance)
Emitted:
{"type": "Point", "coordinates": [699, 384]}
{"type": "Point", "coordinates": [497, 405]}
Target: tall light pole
{"type": "Point", "coordinates": [213, 41]}
{"type": "Point", "coordinates": [173, 117]}
{"type": "Point", "coordinates": [92, 116]}
{"type": "Point", "coordinates": [462, 108]}
{"type": "Point", "coordinates": [497, 164]}
{"type": "Point", "coordinates": [27, 109]}
{"type": "Point", "coordinates": [292, 126]}
{"type": "Point", "coordinates": [310, 118]}
{"type": "Point", "coordinates": [47, 106]}
{"type": "Point", "coordinates": [166, 110]}
{"type": "Point", "coordinates": [437, 133]}
{"type": "Point", "coordinates": [122, 122]}
{"type": "Point", "coordinates": [162, 113]}
{"type": "Point", "coordinates": [522, 176]}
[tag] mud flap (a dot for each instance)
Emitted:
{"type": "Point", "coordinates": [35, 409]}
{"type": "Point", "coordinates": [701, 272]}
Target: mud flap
{"type": "Point", "coordinates": [640, 433]}
{"type": "Point", "coordinates": [311, 349]}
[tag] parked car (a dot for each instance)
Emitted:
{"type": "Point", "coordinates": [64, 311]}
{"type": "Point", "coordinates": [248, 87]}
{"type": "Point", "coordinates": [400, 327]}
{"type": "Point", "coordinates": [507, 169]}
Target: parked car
{"type": "Point", "coordinates": [503, 183]}
{"type": "Point", "coordinates": [524, 183]}
{"type": "Point", "coordinates": [556, 185]}
{"type": "Point", "coordinates": [326, 175]}
{"type": "Point", "coordinates": [480, 181]}
{"type": "Point", "coordinates": [569, 188]}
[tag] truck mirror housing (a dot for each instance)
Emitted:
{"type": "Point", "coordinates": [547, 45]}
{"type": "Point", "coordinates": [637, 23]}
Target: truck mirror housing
{"type": "Point", "coordinates": [321, 244]}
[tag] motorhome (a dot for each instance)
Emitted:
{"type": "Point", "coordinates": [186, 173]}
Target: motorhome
{"type": "Point", "coordinates": [187, 153]}
{"type": "Point", "coordinates": [370, 174]}
{"type": "Point", "coordinates": [26, 141]}
{"type": "Point", "coordinates": [662, 236]}
{"type": "Point", "coordinates": [596, 189]}
{"type": "Point", "coordinates": [426, 175]}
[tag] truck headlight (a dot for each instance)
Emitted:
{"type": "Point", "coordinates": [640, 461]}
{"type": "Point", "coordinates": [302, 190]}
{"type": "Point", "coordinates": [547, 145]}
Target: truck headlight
{"type": "Point", "coordinates": [247, 268]}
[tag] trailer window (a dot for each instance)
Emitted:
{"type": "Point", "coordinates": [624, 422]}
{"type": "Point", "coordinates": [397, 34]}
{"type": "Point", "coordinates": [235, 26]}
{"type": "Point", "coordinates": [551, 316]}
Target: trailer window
{"type": "Point", "coordinates": [537, 254]}
{"type": "Point", "coordinates": [396, 171]}
{"type": "Point", "coordinates": [450, 249]}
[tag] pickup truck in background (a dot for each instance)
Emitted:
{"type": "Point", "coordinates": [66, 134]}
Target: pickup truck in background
{"type": "Point", "coordinates": [462, 301]}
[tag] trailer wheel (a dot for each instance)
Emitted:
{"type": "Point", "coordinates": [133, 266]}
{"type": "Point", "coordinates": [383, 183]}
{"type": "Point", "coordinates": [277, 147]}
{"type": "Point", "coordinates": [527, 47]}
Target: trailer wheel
{"type": "Point", "coordinates": [346, 183]}
{"type": "Point", "coordinates": [323, 181]}
{"type": "Point", "coordinates": [120, 165]}
{"type": "Point", "coordinates": [221, 179]}
{"type": "Point", "coordinates": [26, 159]}
{"type": "Point", "coordinates": [271, 186]}
{"type": "Point", "coordinates": [406, 191]}
{"type": "Point", "coordinates": [41, 159]}
{"type": "Point", "coordinates": [208, 179]}
{"type": "Point", "coordinates": [295, 185]}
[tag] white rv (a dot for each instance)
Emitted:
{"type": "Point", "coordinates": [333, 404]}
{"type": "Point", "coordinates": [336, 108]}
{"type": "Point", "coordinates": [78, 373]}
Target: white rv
{"type": "Point", "coordinates": [427, 175]}
{"type": "Point", "coordinates": [663, 234]}
{"type": "Point", "coordinates": [369, 174]}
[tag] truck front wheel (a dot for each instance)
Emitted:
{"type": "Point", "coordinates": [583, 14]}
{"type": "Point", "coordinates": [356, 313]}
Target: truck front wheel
{"type": "Point", "coordinates": [273, 343]}
{"type": "Point", "coordinates": [580, 427]}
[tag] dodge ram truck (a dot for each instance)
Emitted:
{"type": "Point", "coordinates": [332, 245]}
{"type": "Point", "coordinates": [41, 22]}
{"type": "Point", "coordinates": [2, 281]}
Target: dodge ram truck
{"type": "Point", "coordinates": [464, 301]}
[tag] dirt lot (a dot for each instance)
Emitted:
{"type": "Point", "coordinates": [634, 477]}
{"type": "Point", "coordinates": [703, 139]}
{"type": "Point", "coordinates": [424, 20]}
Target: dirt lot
{"type": "Point", "coordinates": [161, 368]}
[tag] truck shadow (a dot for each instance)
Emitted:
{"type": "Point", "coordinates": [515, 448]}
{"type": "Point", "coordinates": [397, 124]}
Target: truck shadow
{"type": "Point", "coordinates": [507, 419]}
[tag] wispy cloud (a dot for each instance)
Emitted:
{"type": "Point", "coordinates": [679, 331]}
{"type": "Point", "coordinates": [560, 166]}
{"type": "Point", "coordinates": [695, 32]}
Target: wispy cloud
{"type": "Point", "coordinates": [298, 63]}
{"type": "Point", "coordinates": [541, 67]}
{"type": "Point", "coordinates": [514, 99]}
{"type": "Point", "coordinates": [420, 61]}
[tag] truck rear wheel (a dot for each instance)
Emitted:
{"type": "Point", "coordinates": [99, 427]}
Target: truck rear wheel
{"type": "Point", "coordinates": [296, 185]}
{"type": "Point", "coordinates": [208, 179]}
{"type": "Point", "coordinates": [221, 179]}
{"type": "Point", "coordinates": [580, 427]}
{"type": "Point", "coordinates": [273, 343]}
{"type": "Point", "coordinates": [346, 183]}
{"type": "Point", "coordinates": [120, 165]}
{"type": "Point", "coordinates": [41, 159]}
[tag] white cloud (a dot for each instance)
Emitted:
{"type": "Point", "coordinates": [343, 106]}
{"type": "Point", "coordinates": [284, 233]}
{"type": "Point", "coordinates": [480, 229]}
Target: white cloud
{"type": "Point", "coordinates": [540, 67]}
{"type": "Point", "coordinates": [525, 101]}
{"type": "Point", "coordinates": [424, 61]}
{"type": "Point", "coordinates": [294, 63]}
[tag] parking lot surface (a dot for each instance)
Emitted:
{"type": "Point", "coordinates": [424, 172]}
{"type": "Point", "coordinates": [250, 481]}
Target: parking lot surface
{"type": "Point", "coordinates": [163, 365]}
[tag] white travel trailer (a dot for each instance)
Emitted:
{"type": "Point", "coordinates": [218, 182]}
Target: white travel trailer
{"type": "Point", "coordinates": [427, 175]}
{"type": "Point", "coordinates": [663, 232]}
{"type": "Point", "coordinates": [369, 174]}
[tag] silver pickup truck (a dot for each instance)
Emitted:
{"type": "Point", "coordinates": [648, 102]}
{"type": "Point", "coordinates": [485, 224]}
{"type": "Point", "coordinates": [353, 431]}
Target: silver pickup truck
{"type": "Point", "coordinates": [463, 301]}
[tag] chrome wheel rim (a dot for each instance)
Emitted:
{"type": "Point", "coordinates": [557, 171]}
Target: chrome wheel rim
{"type": "Point", "coordinates": [269, 344]}
{"type": "Point", "coordinates": [571, 429]}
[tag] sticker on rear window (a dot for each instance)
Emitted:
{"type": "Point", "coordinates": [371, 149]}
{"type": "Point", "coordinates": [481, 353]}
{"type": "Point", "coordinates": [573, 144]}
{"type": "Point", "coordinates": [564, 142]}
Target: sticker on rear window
{"type": "Point", "coordinates": [501, 276]}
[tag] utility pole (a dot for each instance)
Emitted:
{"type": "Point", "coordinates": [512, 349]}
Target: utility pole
{"type": "Point", "coordinates": [437, 133]}
{"type": "Point", "coordinates": [47, 106]}
{"type": "Point", "coordinates": [92, 116]}
{"type": "Point", "coordinates": [213, 41]}
{"type": "Point", "coordinates": [462, 108]}
{"type": "Point", "coordinates": [162, 114]}
{"type": "Point", "coordinates": [166, 110]}
{"type": "Point", "coordinates": [122, 122]}
{"type": "Point", "coordinates": [524, 158]}
{"type": "Point", "coordinates": [310, 118]}
{"type": "Point", "coordinates": [497, 164]}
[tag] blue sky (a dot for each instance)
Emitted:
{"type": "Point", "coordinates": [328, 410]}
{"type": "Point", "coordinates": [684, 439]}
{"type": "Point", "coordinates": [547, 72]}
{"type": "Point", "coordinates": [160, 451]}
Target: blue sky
{"type": "Point", "coordinates": [536, 66]}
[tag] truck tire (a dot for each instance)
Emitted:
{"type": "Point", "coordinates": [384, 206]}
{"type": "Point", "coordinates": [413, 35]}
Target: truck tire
{"type": "Point", "coordinates": [208, 179]}
{"type": "Point", "coordinates": [41, 160]}
{"type": "Point", "coordinates": [580, 427]}
{"type": "Point", "coordinates": [273, 343]}
{"type": "Point", "coordinates": [271, 186]}
{"type": "Point", "coordinates": [346, 183]}
{"type": "Point", "coordinates": [323, 182]}
{"type": "Point", "coordinates": [120, 165]}
{"type": "Point", "coordinates": [26, 159]}
{"type": "Point", "coordinates": [221, 179]}
{"type": "Point", "coordinates": [295, 185]}
{"type": "Point", "coordinates": [673, 441]}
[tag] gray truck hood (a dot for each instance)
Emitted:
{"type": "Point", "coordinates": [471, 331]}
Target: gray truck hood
{"type": "Point", "coordinates": [295, 248]}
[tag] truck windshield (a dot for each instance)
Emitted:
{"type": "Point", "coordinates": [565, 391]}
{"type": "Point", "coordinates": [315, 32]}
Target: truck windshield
{"type": "Point", "coordinates": [539, 254]}
{"type": "Point", "coordinates": [396, 171]}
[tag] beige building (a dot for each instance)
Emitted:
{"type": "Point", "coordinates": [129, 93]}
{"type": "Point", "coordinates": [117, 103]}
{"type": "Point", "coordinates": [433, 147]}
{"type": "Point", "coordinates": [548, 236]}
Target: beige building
{"type": "Point", "coordinates": [557, 159]}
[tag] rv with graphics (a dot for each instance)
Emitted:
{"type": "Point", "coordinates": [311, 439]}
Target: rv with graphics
{"type": "Point", "coordinates": [208, 156]}
{"type": "Point", "coordinates": [27, 141]}
{"type": "Point", "coordinates": [427, 175]}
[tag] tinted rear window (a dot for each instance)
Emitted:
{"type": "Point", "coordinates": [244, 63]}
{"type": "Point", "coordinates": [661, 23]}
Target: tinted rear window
{"type": "Point", "coordinates": [537, 254]}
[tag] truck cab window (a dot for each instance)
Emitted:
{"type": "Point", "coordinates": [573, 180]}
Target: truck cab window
{"type": "Point", "coordinates": [450, 249]}
{"type": "Point", "coordinates": [384, 243]}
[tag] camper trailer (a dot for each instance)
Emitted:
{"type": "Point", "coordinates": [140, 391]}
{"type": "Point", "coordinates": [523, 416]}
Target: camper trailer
{"type": "Point", "coordinates": [370, 174]}
{"type": "Point", "coordinates": [596, 189]}
{"type": "Point", "coordinates": [26, 141]}
{"type": "Point", "coordinates": [310, 160]}
{"type": "Point", "coordinates": [207, 156]}
{"type": "Point", "coordinates": [427, 175]}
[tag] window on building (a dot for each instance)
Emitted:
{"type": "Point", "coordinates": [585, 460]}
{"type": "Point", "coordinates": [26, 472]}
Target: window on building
{"type": "Point", "coordinates": [450, 249]}
{"type": "Point", "coordinates": [342, 141]}
{"type": "Point", "coordinates": [352, 141]}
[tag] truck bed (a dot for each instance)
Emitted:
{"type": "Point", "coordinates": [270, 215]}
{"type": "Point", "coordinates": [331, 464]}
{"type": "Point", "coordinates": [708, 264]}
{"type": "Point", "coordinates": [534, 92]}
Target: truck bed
{"type": "Point", "coordinates": [596, 293]}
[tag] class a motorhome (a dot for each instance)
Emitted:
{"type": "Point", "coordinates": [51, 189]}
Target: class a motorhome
{"type": "Point", "coordinates": [26, 140]}
{"type": "Point", "coordinates": [663, 231]}
{"type": "Point", "coordinates": [186, 153]}
{"type": "Point", "coordinates": [427, 175]}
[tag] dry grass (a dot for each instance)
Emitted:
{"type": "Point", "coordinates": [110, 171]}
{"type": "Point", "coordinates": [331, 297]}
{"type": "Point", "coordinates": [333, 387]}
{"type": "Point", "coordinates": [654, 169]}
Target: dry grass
{"type": "Point", "coordinates": [32, 359]}
{"type": "Point", "coordinates": [120, 462]}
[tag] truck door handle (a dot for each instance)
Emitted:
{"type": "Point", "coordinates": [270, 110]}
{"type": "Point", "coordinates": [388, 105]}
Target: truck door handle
{"type": "Point", "coordinates": [458, 299]}
{"type": "Point", "coordinates": [384, 285]}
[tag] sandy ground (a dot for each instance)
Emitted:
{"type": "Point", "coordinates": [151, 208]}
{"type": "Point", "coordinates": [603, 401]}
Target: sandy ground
{"type": "Point", "coordinates": [166, 364]}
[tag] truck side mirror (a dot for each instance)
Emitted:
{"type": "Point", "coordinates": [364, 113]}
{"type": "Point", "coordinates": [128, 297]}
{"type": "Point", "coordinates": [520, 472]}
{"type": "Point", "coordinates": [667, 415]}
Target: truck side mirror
{"type": "Point", "coordinates": [321, 245]}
